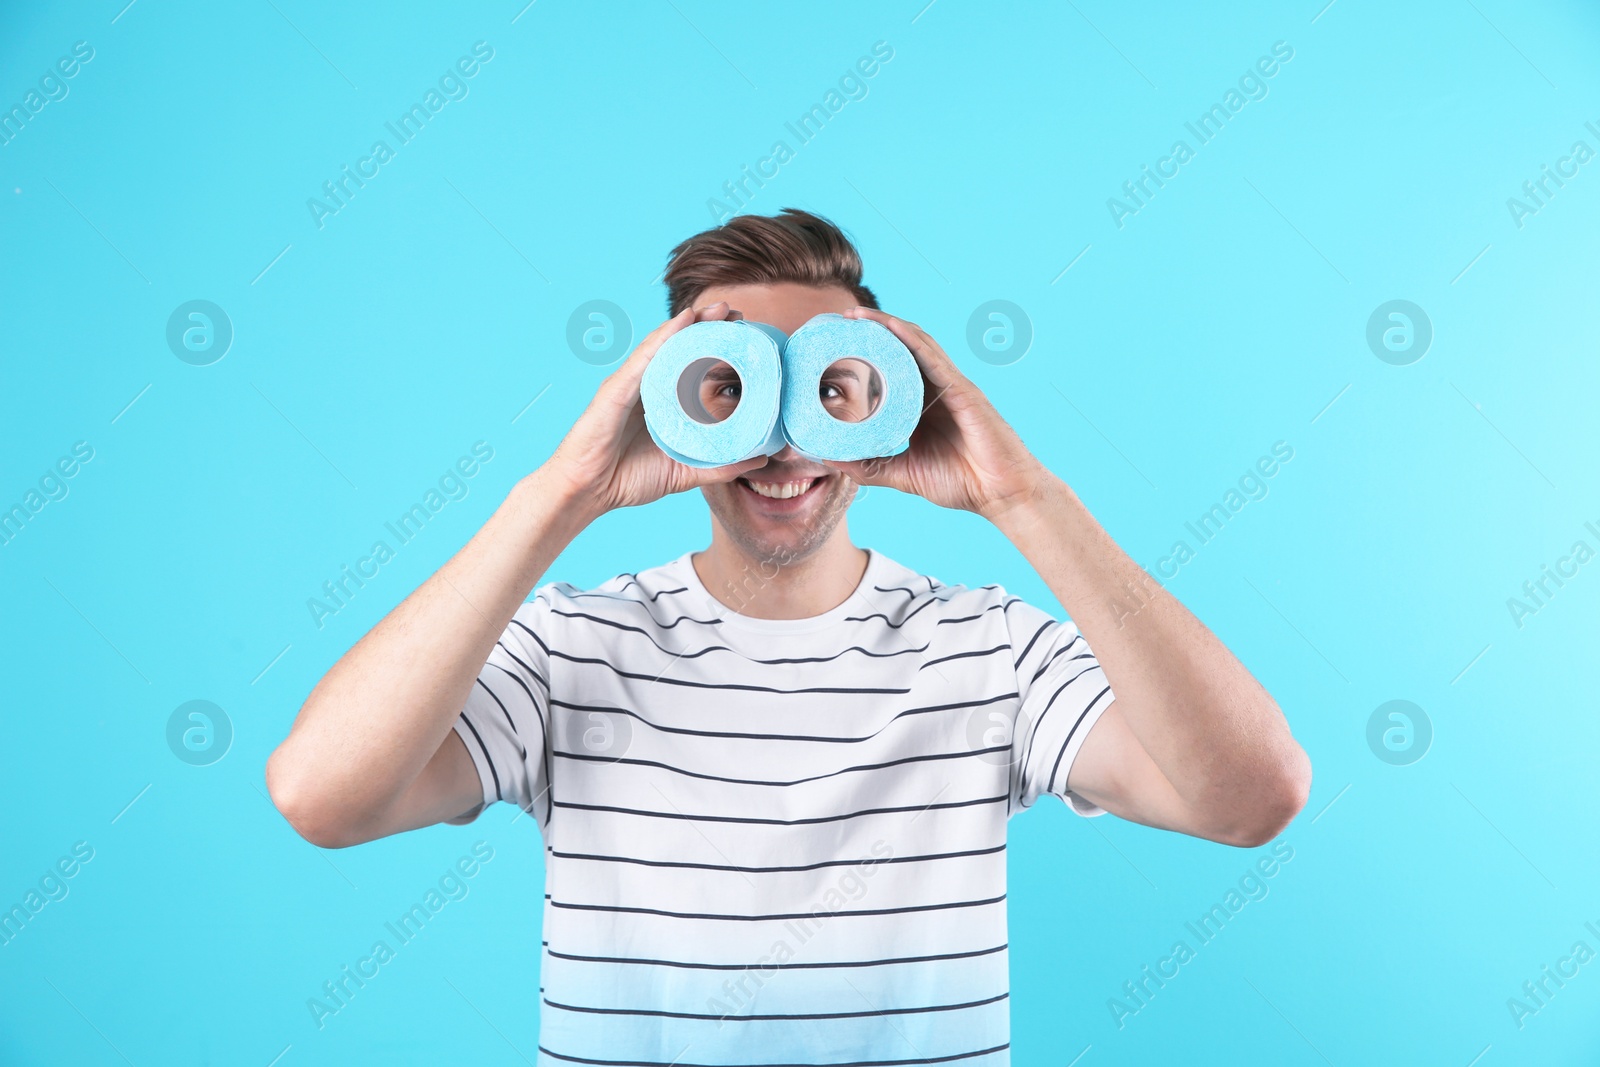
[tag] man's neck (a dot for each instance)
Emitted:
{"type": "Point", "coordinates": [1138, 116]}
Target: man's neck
{"type": "Point", "coordinates": [768, 588]}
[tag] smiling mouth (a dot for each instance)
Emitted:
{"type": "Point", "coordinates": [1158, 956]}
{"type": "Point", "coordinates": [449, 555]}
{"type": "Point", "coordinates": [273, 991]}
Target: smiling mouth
{"type": "Point", "coordinates": [785, 490]}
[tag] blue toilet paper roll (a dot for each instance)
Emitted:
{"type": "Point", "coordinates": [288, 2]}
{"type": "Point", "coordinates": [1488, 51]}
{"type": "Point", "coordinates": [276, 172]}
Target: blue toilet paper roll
{"type": "Point", "coordinates": [677, 419]}
{"type": "Point", "coordinates": [811, 428]}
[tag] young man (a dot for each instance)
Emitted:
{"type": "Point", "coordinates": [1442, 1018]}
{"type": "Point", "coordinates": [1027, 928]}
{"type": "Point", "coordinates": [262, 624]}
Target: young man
{"type": "Point", "coordinates": [773, 777]}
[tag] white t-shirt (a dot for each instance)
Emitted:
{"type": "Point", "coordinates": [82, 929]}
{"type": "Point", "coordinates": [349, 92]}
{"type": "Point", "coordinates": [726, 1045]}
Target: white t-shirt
{"type": "Point", "coordinates": [778, 841]}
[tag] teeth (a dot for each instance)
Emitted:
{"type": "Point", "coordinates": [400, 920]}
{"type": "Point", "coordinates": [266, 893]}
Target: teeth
{"type": "Point", "coordinates": [781, 490]}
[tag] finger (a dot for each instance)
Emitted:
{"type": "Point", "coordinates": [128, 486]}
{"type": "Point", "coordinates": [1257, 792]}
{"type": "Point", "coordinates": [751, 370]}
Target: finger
{"type": "Point", "coordinates": [650, 345]}
{"type": "Point", "coordinates": [886, 471]}
{"type": "Point", "coordinates": [936, 366]}
{"type": "Point", "coordinates": [631, 372]}
{"type": "Point", "coordinates": [687, 317]}
{"type": "Point", "coordinates": [713, 312]}
{"type": "Point", "coordinates": [655, 338]}
{"type": "Point", "coordinates": [621, 387]}
{"type": "Point", "coordinates": [727, 473]}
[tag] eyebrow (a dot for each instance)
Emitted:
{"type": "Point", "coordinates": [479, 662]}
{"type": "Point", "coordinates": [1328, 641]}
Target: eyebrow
{"type": "Point", "coordinates": [722, 374]}
{"type": "Point", "coordinates": [843, 372]}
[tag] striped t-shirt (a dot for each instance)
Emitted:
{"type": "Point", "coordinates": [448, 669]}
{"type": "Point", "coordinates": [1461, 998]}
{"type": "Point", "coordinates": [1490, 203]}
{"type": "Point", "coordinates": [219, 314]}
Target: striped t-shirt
{"type": "Point", "coordinates": [778, 841]}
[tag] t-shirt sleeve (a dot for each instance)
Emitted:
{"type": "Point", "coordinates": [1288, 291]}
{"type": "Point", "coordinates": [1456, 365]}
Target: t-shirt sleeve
{"type": "Point", "coordinates": [1063, 694]}
{"type": "Point", "coordinates": [505, 721]}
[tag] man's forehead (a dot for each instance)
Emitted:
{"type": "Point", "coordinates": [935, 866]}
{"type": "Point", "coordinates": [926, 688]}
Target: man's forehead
{"type": "Point", "coordinates": [786, 305]}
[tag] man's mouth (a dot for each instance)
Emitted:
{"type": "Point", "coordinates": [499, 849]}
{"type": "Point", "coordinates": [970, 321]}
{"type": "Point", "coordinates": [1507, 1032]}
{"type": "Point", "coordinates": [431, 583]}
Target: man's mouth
{"type": "Point", "coordinates": [791, 489]}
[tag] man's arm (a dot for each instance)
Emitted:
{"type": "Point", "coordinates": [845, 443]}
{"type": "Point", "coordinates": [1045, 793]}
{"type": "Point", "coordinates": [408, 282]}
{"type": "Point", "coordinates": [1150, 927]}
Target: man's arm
{"type": "Point", "coordinates": [373, 751]}
{"type": "Point", "coordinates": [1192, 743]}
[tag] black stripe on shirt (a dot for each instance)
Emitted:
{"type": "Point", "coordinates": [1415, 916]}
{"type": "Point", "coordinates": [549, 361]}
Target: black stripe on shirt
{"type": "Point", "coordinates": [647, 611]}
{"type": "Point", "coordinates": [640, 962]}
{"type": "Point", "coordinates": [780, 822]}
{"type": "Point", "coordinates": [896, 625]}
{"type": "Point", "coordinates": [1068, 741]}
{"type": "Point", "coordinates": [493, 773]}
{"type": "Point", "coordinates": [720, 685]}
{"type": "Point", "coordinates": [544, 732]}
{"type": "Point", "coordinates": [979, 615]}
{"type": "Point", "coordinates": [530, 632]}
{"type": "Point", "coordinates": [964, 655]}
{"type": "Point", "coordinates": [928, 757]}
{"type": "Point", "coordinates": [1058, 653]}
{"type": "Point", "coordinates": [865, 860]}
{"type": "Point", "coordinates": [619, 908]}
{"type": "Point", "coordinates": [779, 1018]}
{"type": "Point", "coordinates": [1040, 633]}
{"type": "Point", "coordinates": [522, 750]}
{"type": "Point", "coordinates": [1028, 752]}
{"type": "Point", "coordinates": [826, 739]}
{"type": "Point", "coordinates": [724, 648]}
{"type": "Point", "coordinates": [541, 679]}
{"type": "Point", "coordinates": [636, 629]}
{"type": "Point", "coordinates": [853, 1063]}
{"type": "Point", "coordinates": [633, 579]}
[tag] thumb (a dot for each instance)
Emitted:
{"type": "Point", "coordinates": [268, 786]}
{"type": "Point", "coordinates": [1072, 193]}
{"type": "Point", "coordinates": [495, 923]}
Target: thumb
{"type": "Point", "coordinates": [883, 470]}
{"type": "Point", "coordinates": [727, 473]}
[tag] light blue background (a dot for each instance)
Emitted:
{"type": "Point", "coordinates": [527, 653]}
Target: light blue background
{"type": "Point", "coordinates": [423, 317]}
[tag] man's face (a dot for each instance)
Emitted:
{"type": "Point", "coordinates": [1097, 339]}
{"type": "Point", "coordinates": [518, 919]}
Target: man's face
{"type": "Point", "coordinates": [788, 508]}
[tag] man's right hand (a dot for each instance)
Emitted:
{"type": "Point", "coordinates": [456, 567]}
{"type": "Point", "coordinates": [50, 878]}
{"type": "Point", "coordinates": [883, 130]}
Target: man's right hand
{"type": "Point", "coordinates": [373, 751]}
{"type": "Point", "coordinates": [608, 459]}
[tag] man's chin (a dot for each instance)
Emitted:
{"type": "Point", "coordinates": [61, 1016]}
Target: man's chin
{"type": "Point", "coordinates": [789, 526]}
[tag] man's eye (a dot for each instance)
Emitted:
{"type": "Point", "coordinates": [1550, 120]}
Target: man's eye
{"type": "Point", "coordinates": [731, 389]}
{"type": "Point", "coordinates": [828, 391]}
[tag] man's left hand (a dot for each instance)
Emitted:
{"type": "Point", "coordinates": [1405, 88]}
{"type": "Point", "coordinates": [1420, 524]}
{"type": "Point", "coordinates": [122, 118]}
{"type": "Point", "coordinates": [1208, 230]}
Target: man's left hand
{"type": "Point", "coordinates": [962, 454]}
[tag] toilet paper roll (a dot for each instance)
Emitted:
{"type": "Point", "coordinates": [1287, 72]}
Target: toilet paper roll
{"type": "Point", "coordinates": [670, 390]}
{"type": "Point", "coordinates": [811, 428]}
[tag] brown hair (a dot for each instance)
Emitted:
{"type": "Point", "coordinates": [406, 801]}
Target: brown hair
{"type": "Point", "coordinates": [792, 246]}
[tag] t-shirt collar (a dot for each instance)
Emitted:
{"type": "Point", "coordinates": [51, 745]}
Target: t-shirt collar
{"type": "Point", "coordinates": [859, 601]}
